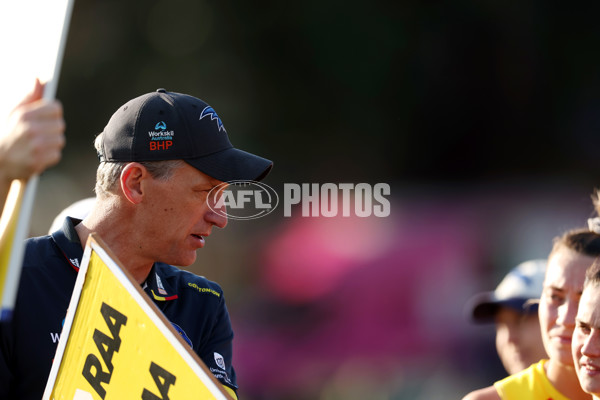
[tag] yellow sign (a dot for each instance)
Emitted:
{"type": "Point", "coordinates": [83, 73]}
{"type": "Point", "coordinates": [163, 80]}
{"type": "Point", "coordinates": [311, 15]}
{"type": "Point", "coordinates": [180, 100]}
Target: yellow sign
{"type": "Point", "coordinates": [116, 344]}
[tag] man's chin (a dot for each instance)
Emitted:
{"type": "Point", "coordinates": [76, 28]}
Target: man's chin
{"type": "Point", "coordinates": [182, 261]}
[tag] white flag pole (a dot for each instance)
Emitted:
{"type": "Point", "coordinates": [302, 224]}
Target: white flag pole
{"type": "Point", "coordinates": [26, 205]}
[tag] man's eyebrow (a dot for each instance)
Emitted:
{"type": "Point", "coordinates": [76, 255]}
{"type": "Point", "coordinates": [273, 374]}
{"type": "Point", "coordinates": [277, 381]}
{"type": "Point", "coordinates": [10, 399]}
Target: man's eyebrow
{"type": "Point", "coordinates": [580, 322]}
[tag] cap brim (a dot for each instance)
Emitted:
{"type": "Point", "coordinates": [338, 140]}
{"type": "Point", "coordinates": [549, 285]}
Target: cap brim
{"type": "Point", "coordinates": [483, 307]}
{"type": "Point", "coordinates": [233, 164]}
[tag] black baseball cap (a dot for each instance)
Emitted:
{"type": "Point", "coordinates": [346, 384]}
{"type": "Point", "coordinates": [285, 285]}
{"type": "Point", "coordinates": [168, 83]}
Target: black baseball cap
{"type": "Point", "coordinates": [164, 125]}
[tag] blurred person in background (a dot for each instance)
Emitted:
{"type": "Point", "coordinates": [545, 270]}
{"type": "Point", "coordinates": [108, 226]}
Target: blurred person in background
{"type": "Point", "coordinates": [554, 378]}
{"type": "Point", "coordinates": [513, 307]}
{"type": "Point", "coordinates": [32, 139]}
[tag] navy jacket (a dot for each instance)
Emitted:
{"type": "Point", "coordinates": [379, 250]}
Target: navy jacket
{"type": "Point", "coordinates": [194, 305]}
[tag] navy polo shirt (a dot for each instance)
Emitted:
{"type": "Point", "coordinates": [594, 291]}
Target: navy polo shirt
{"type": "Point", "coordinates": [194, 305]}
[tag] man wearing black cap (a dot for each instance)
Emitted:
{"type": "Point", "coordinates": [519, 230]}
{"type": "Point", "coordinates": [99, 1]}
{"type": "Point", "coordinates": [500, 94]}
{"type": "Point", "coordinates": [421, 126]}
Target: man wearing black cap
{"type": "Point", "coordinates": [160, 155]}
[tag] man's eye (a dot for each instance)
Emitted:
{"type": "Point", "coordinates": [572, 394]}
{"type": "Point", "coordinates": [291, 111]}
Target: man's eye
{"type": "Point", "coordinates": [585, 329]}
{"type": "Point", "coordinates": [556, 297]}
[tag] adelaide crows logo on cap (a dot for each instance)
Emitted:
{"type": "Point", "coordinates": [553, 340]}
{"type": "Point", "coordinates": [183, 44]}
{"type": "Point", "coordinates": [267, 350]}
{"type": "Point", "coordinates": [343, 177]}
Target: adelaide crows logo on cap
{"type": "Point", "coordinates": [209, 111]}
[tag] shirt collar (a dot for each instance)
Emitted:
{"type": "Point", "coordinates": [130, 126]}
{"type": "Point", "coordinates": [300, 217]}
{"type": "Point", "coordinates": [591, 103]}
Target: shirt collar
{"type": "Point", "coordinates": [158, 286]}
{"type": "Point", "coordinates": [68, 242]}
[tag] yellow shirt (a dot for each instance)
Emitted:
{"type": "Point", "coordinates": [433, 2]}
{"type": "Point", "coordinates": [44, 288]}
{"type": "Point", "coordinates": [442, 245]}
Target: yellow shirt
{"type": "Point", "coordinates": [529, 384]}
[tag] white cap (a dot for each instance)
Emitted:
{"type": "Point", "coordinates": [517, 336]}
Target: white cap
{"type": "Point", "coordinates": [524, 282]}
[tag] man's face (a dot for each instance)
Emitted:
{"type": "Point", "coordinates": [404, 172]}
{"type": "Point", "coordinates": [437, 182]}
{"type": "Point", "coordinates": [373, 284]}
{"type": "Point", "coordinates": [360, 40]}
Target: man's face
{"type": "Point", "coordinates": [175, 216]}
{"type": "Point", "coordinates": [586, 340]}
{"type": "Point", "coordinates": [560, 298]}
{"type": "Point", "coordinates": [518, 339]}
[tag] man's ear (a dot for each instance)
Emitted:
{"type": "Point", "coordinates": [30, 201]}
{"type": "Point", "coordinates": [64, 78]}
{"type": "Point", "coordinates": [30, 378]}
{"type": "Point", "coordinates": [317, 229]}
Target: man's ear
{"type": "Point", "coordinates": [131, 181]}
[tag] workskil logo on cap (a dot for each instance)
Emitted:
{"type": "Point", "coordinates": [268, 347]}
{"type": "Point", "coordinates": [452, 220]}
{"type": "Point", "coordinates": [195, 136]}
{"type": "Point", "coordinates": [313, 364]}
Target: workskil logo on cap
{"type": "Point", "coordinates": [160, 137]}
{"type": "Point", "coordinates": [242, 199]}
{"type": "Point", "coordinates": [210, 112]}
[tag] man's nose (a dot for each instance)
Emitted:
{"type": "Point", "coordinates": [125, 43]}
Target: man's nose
{"type": "Point", "coordinates": [217, 218]}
